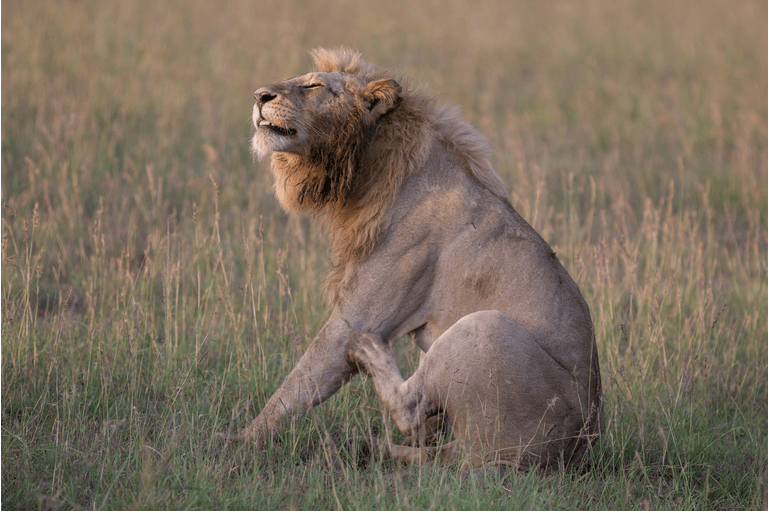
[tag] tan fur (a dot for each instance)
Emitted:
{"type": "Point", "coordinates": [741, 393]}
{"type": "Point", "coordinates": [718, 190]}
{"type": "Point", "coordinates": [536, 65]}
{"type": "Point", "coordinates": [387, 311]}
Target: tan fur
{"type": "Point", "coordinates": [421, 234]}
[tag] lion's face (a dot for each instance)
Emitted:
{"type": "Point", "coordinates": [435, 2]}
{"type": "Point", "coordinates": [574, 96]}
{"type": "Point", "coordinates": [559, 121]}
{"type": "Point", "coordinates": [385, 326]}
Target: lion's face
{"type": "Point", "coordinates": [318, 128]}
{"type": "Point", "coordinates": [302, 113]}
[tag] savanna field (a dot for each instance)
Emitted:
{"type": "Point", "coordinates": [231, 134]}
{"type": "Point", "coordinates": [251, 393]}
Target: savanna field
{"type": "Point", "coordinates": [155, 294]}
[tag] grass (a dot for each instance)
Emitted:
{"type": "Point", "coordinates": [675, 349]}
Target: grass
{"type": "Point", "coordinates": [154, 294]}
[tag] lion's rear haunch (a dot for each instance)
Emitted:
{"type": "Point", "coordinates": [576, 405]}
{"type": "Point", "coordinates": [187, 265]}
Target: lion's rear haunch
{"type": "Point", "coordinates": [422, 234]}
{"type": "Point", "coordinates": [477, 375]}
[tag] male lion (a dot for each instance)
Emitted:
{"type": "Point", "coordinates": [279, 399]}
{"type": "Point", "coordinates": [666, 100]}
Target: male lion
{"type": "Point", "coordinates": [425, 242]}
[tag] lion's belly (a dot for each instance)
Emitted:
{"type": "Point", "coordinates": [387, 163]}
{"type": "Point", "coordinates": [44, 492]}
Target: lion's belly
{"type": "Point", "coordinates": [425, 335]}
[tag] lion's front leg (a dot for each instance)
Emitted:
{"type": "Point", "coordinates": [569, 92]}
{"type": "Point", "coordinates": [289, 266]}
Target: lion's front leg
{"type": "Point", "coordinates": [320, 372]}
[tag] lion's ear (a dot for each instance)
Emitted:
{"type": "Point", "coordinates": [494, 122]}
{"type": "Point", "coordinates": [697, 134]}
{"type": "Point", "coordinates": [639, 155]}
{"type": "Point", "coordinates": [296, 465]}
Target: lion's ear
{"type": "Point", "coordinates": [382, 96]}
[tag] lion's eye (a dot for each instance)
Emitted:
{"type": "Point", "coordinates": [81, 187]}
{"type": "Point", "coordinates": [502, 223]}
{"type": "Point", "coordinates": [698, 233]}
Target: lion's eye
{"type": "Point", "coordinates": [311, 86]}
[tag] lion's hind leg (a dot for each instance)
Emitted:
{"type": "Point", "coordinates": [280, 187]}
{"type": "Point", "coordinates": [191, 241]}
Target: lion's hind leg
{"type": "Point", "coordinates": [433, 432]}
{"type": "Point", "coordinates": [405, 401]}
{"type": "Point", "coordinates": [445, 454]}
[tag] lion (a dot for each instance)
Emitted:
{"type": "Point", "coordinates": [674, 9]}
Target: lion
{"type": "Point", "coordinates": [424, 242]}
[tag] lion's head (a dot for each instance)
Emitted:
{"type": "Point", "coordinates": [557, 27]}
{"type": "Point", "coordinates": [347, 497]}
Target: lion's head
{"type": "Point", "coordinates": [319, 127]}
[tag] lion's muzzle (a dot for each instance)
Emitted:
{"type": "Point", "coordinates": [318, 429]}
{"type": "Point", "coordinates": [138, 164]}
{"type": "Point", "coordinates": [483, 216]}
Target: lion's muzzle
{"type": "Point", "coordinates": [263, 96]}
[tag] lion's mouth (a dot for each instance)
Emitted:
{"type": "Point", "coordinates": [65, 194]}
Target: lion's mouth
{"type": "Point", "coordinates": [263, 123]}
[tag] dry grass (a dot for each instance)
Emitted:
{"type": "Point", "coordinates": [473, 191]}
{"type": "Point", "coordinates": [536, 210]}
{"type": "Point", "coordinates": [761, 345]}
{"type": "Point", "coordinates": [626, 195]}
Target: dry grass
{"type": "Point", "coordinates": [153, 293]}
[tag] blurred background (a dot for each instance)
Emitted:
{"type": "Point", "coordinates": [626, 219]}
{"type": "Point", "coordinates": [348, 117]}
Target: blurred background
{"type": "Point", "coordinates": [630, 93]}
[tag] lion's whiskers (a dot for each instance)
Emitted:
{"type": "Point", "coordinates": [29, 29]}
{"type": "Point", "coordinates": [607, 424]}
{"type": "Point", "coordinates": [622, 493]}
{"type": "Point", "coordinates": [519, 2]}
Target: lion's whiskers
{"type": "Point", "coordinates": [308, 127]}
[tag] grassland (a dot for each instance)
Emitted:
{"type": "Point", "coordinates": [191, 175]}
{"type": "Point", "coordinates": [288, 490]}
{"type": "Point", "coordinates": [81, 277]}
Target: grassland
{"type": "Point", "coordinates": [154, 294]}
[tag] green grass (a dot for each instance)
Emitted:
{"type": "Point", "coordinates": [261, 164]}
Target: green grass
{"type": "Point", "coordinates": [154, 294]}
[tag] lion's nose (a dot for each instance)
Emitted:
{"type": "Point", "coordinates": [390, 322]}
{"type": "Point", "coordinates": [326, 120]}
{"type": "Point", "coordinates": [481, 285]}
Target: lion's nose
{"type": "Point", "coordinates": [264, 95]}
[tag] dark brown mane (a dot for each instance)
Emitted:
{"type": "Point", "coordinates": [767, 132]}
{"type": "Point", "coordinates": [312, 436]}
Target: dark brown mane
{"type": "Point", "coordinates": [337, 165]}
